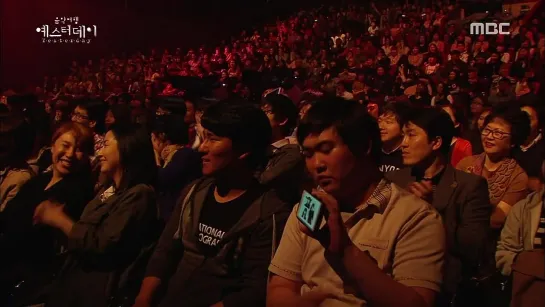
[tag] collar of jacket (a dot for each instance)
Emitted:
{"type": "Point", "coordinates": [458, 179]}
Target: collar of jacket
{"type": "Point", "coordinates": [193, 205]}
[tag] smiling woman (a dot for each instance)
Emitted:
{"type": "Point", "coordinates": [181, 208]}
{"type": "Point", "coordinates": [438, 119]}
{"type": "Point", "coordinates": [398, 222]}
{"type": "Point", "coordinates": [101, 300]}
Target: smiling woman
{"type": "Point", "coordinates": [503, 132]}
{"type": "Point", "coordinates": [32, 252]}
{"type": "Point", "coordinates": [116, 228]}
{"type": "Point", "coordinates": [72, 144]}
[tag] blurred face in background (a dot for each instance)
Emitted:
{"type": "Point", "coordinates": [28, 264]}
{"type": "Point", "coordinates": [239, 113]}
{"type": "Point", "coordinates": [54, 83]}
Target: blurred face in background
{"type": "Point", "coordinates": [389, 127]}
{"type": "Point", "coordinates": [482, 119]}
{"type": "Point", "coordinates": [109, 119]}
{"type": "Point", "coordinates": [190, 114]}
{"type": "Point", "coordinates": [534, 120]}
{"type": "Point", "coordinates": [477, 106]}
{"type": "Point", "coordinates": [81, 116]}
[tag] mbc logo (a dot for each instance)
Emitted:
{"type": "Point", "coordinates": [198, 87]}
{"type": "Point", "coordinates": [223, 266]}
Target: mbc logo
{"type": "Point", "coordinates": [489, 28]}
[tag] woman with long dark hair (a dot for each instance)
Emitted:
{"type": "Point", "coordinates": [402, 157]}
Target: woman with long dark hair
{"type": "Point", "coordinates": [110, 240]}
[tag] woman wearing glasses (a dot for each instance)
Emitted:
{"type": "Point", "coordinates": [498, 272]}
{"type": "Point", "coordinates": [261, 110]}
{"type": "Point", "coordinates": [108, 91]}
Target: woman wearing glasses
{"type": "Point", "coordinates": [504, 131]}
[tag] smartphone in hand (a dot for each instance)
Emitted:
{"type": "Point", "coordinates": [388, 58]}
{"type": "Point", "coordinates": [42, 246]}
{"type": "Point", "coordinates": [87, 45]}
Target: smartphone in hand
{"type": "Point", "coordinates": [310, 211]}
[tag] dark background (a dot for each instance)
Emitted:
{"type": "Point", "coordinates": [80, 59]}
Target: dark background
{"type": "Point", "coordinates": [146, 24]}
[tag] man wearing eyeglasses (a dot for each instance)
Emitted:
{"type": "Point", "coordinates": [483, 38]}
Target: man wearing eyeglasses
{"type": "Point", "coordinates": [92, 114]}
{"type": "Point", "coordinates": [284, 170]}
{"type": "Point", "coordinates": [461, 198]}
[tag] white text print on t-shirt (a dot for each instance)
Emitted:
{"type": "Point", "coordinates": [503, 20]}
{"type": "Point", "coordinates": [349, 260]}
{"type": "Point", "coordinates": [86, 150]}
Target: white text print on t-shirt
{"type": "Point", "coordinates": [209, 235]}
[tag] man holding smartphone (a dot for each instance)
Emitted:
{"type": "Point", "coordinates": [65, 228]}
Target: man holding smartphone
{"type": "Point", "coordinates": [377, 240]}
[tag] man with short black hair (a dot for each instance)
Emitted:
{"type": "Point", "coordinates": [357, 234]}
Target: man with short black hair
{"type": "Point", "coordinates": [376, 239]}
{"type": "Point", "coordinates": [460, 198]}
{"type": "Point", "coordinates": [171, 105]}
{"type": "Point", "coordinates": [215, 249]}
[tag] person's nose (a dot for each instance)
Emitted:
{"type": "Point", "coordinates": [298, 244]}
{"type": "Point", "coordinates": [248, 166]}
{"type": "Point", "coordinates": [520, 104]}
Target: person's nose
{"type": "Point", "coordinates": [318, 163]}
{"type": "Point", "coordinates": [405, 142]}
{"type": "Point", "coordinates": [70, 152]}
{"type": "Point", "coordinates": [203, 148]}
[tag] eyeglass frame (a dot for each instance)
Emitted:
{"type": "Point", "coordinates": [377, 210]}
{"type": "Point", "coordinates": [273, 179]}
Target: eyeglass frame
{"type": "Point", "coordinates": [79, 116]}
{"type": "Point", "coordinates": [502, 134]}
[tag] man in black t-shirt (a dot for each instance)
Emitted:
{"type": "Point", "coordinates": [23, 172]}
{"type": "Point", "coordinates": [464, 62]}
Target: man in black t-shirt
{"type": "Point", "coordinates": [215, 249]}
{"type": "Point", "coordinates": [390, 122]}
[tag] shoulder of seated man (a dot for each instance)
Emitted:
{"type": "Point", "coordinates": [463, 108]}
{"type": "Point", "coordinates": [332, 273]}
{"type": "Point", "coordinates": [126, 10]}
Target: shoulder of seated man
{"type": "Point", "coordinates": [272, 202]}
{"type": "Point", "coordinates": [409, 203]}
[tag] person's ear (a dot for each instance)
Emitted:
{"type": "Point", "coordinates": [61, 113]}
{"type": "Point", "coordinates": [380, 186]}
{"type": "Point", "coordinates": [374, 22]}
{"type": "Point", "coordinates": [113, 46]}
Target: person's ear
{"type": "Point", "coordinates": [244, 156]}
{"type": "Point", "coordinates": [92, 124]}
{"type": "Point", "coordinates": [437, 143]}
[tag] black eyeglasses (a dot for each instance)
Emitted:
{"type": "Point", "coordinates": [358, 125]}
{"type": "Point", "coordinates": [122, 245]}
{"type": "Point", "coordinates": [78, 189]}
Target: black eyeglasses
{"type": "Point", "coordinates": [497, 134]}
{"type": "Point", "coordinates": [79, 116]}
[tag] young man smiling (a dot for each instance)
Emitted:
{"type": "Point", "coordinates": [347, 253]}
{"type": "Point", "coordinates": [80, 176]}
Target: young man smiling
{"type": "Point", "coordinates": [91, 113]}
{"type": "Point", "coordinates": [215, 249]}
{"type": "Point", "coordinates": [375, 240]}
{"type": "Point", "coordinates": [390, 123]}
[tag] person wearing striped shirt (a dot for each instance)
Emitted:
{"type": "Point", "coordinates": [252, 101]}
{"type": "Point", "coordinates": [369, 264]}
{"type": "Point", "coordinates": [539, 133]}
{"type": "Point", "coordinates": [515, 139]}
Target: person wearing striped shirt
{"type": "Point", "coordinates": [524, 230]}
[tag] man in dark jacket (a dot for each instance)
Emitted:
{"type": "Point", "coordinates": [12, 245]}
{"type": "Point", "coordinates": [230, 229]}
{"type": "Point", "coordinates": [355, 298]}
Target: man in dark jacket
{"type": "Point", "coordinates": [218, 243]}
{"type": "Point", "coordinates": [284, 170]}
{"type": "Point", "coordinates": [461, 198]}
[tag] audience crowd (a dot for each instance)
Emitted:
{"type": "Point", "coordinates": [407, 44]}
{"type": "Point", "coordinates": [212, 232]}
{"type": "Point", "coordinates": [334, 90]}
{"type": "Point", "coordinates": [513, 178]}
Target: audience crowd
{"type": "Point", "coordinates": [174, 178]}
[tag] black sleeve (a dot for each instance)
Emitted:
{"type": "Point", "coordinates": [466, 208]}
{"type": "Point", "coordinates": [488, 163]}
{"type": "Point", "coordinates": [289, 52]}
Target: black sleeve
{"type": "Point", "coordinates": [97, 236]}
{"type": "Point", "coordinates": [164, 255]}
{"type": "Point", "coordinates": [288, 162]}
{"type": "Point", "coordinates": [472, 231]}
{"type": "Point", "coordinates": [256, 263]}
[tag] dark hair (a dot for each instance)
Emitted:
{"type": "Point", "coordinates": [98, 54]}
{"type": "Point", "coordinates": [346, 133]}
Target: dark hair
{"type": "Point", "coordinates": [400, 110]}
{"type": "Point", "coordinates": [124, 98]}
{"type": "Point", "coordinates": [244, 124]}
{"type": "Point", "coordinates": [136, 156]}
{"type": "Point", "coordinates": [175, 105]}
{"type": "Point", "coordinates": [436, 123]}
{"type": "Point", "coordinates": [516, 118]}
{"type": "Point", "coordinates": [173, 128]}
{"type": "Point", "coordinates": [458, 115]}
{"type": "Point", "coordinates": [540, 112]}
{"type": "Point", "coordinates": [203, 103]}
{"type": "Point", "coordinates": [283, 109]}
{"type": "Point", "coordinates": [122, 114]}
{"type": "Point", "coordinates": [96, 110]}
{"type": "Point", "coordinates": [358, 130]}
{"type": "Point", "coordinates": [22, 134]}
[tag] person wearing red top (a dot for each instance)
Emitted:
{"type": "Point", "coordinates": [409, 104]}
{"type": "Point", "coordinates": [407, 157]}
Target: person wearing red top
{"type": "Point", "coordinates": [459, 149]}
